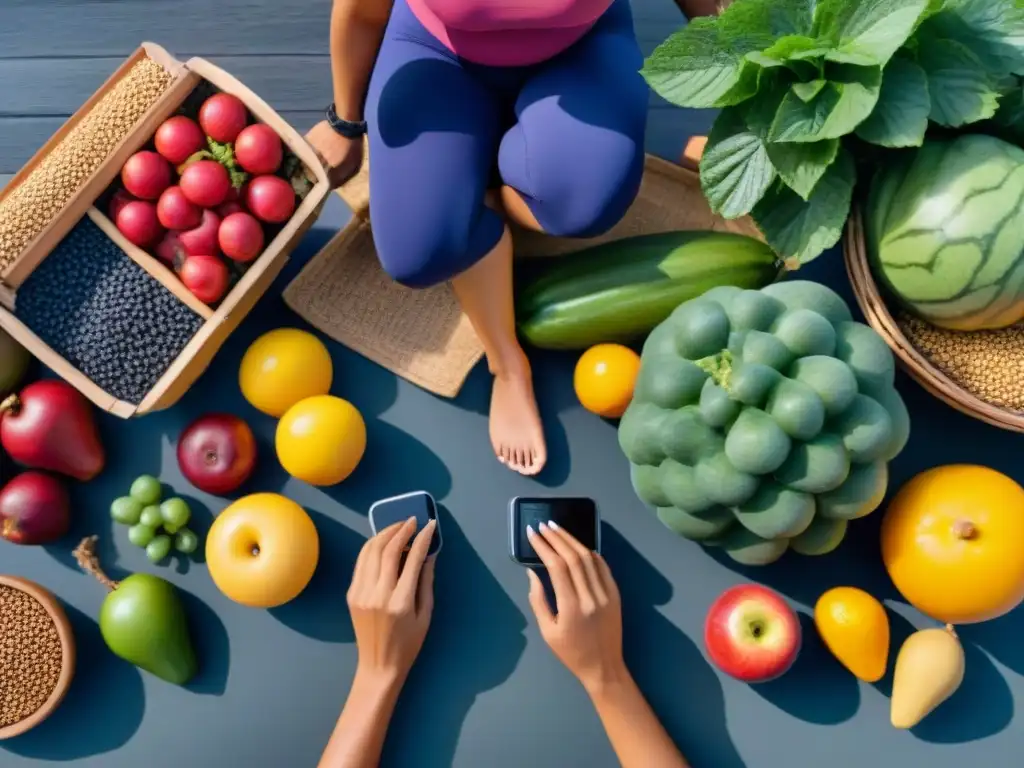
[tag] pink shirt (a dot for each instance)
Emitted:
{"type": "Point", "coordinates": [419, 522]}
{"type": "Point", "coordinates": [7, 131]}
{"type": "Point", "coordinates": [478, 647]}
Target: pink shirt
{"type": "Point", "coordinates": [508, 33]}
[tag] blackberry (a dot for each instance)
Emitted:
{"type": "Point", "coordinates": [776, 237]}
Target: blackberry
{"type": "Point", "coordinates": [105, 314]}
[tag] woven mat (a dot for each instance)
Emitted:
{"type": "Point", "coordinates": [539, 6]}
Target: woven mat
{"type": "Point", "coordinates": [422, 335]}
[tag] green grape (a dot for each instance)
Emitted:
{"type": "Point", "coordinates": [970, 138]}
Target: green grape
{"type": "Point", "coordinates": [158, 548]}
{"type": "Point", "coordinates": [146, 490]}
{"type": "Point", "coordinates": [151, 517]}
{"type": "Point", "coordinates": [126, 511]}
{"type": "Point", "coordinates": [140, 535]}
{"type": "Point", "coordinates": [175, 512]}
{"type": "Point", "coordinates": [186, 541]}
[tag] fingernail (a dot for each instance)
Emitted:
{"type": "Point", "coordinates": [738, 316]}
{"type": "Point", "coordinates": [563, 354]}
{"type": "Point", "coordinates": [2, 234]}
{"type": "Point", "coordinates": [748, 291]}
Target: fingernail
{"type": "Point", "coordinates": [530, 533]}
{"type": "Point", "coordinates": [552, 525]}
{"type": "Point", "coordinates": [432, 523]}
{"type": "Point", "coordinates": [543, 526]}
{"type": "Point", "coordinates": [411, 520]}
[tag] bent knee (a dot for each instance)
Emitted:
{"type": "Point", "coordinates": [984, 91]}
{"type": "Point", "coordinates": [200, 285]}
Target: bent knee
{"type": "Point", "coordinates": [588, 201]}
{"type": "Point", "coordinates": [419, 252]}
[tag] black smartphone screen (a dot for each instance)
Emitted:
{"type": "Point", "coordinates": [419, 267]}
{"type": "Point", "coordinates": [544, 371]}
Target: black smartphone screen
{"type": "Point", "coordinates": [401, 508]}
{"type": "Point", "coordinates": [578, 516]}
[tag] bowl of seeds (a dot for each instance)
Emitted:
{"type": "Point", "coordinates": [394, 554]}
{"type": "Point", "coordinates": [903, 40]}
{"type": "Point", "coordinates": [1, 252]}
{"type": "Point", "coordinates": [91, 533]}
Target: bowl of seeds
{"type": "Point", "coordinates": [37, 655]}
{"type": "Point", "coordinates": [980, 373]}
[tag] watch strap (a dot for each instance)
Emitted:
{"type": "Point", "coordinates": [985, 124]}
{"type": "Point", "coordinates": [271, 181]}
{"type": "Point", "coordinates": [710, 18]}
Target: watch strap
{"type": "Point", "coordinates": [350, 129]}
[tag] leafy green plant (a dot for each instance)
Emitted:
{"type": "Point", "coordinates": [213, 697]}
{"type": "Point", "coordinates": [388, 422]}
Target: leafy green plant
{"type": "Point", "coordinates": [804, 86]}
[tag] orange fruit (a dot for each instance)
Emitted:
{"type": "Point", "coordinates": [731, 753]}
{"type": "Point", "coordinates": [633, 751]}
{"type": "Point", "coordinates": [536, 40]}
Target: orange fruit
{"type": "Point", "coordinates": [283, 367]}
{"type": "Point", "coordinates": [604, 379]}
{"type": "Point", "coordinates": [953, 543]}
{"type": "Point", "coordinates": [321, 440]}
{"type": "Point", "coordinates": [855, 627]}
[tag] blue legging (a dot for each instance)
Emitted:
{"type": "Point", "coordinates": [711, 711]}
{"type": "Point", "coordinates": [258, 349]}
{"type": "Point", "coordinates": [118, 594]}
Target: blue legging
{"type": "Point", "coordinates": [567, 134]}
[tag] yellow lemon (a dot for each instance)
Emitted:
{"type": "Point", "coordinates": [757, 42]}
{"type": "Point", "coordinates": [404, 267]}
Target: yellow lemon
{"type": "Point", "coordinates": [855, 627]}
{"type": "Point", "coordinates": [604, 379]}
{"type": "Point", "coordinates": [321, 440]}
{"type": "Point", "coordinates": [283, 367]}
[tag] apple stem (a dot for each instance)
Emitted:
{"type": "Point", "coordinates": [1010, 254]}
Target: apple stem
{"type": "Point", "coordinates": [10, 403]}
{"type": "Point", "coordinates": [964, 529]}
{"type": "Point", "coordinates": [87, 559]}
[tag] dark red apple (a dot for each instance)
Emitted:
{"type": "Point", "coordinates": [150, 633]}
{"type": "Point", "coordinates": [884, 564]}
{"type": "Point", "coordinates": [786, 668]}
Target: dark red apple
{"type": "Point", "coordinates": [51, 426]}
{"type": "Point", "coordinates": [217, 453]}
{"type": "Point", "coordinates": [752, 634]}
{"type": "Point", "coordinates": [34, 509]}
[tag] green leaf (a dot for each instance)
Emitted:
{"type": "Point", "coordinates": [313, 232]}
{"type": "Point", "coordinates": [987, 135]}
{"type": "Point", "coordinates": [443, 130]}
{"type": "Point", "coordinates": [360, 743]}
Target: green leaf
{"type": "Point", "coordinates": [866, 32]}
{"type": "Point", "coordinates": [802, 230]}
{"type": "Point", "coordinates": [801, 166]}
{"type": "Point", "coordinates": [771, 19]}
{"type": "Point", "coordinates": [992, 29]}
{"type": "Point", "coordinates": [698, 67]}
{"type": "Point", "coordinates": [959, 86]}
{"type": "Point", "coordinates": [1009, 120]}
{"type": "Point", "coordinates": [900, 118]}
{"type": "Point", "coordinates": [841, 105]}
{"type": "Point", "coordinates": [735, 170]}
{"type": "Point", "coordinates": [807, 91]}
{"type": "Point", "coordinates": [788, 48]}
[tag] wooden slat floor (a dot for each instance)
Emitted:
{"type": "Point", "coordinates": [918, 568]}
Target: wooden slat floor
{"type": "Point", "coordinates": [55, 53]}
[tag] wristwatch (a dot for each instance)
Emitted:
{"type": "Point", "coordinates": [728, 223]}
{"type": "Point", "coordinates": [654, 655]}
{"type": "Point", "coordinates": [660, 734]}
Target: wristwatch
{"type": "Point", "coordinates": [350, 129]}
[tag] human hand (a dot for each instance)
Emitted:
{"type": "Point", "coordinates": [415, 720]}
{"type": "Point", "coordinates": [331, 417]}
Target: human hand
{"type": "Point", "coordinates": [586, 632]}
{"type": "Point", "coordinates": [343, 157]}
{"type": "Point", "coordinates": [391, 610]}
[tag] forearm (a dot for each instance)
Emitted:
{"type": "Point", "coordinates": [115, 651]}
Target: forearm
{"type": "Point", "coordinates": [357, 28]}
{"type": "Point", "coordinates": [358, 738]}
{"type": "Point", "coordinates": [637, 736]}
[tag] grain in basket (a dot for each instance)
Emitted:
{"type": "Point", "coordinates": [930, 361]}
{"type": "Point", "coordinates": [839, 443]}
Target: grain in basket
{"type": "Point", "coordinates": [30, 207]}
{"type": "Point", "coordinates": [31, 656]}
{"type": "Point", "coordinates": [104, 314]}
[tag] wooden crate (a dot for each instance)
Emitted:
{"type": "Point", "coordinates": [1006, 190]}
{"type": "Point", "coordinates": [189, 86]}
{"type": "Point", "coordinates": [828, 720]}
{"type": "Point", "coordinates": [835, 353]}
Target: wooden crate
{"type": "Point", "coordinates": [219, 323]}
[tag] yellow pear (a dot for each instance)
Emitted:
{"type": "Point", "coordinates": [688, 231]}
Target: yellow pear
{"type": "Point", "coordinates": [929, 669]}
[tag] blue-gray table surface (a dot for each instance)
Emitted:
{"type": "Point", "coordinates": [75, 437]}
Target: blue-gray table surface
{"type": "Point", "coordinates": [486, 690]}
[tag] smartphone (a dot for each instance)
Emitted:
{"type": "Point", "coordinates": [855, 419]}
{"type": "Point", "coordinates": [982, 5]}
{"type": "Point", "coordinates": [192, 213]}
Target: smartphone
{"type": "Point", "coordinates": [398, 509]}
{"type": "Point", "coordinates": [578, 516]}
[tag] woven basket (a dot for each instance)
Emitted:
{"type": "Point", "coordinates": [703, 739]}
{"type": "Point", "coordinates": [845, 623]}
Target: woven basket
{"type": "Point", "coordinates": [912, 360]}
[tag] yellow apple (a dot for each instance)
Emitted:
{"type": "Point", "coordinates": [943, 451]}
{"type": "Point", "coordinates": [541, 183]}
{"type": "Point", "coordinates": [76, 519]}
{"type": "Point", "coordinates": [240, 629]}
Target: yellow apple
{"type": "Point", "coordinates": [262, 550]}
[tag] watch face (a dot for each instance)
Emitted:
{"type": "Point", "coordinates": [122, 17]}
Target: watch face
{"type": "Point", "coordinates": [400, 508]}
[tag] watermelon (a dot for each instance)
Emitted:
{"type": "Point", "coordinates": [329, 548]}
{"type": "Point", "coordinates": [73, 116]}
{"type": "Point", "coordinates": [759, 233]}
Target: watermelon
{"type": "Point", "coordinates": [944, 232]}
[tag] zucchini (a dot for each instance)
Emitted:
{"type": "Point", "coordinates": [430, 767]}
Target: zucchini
{"type": "Point", "coordinates": [619, 291]}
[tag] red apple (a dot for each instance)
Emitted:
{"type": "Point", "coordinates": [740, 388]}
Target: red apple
{"type": "Point", "coordinates": [217, 453]}
{"type": "Point", "coordinates": [752, 634]}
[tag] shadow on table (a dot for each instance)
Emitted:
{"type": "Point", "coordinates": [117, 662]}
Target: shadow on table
{"type": "Point", "coordinates": [211, 644]}
{"type": "Point", "coordinates": [474, 644]}
{"type": "Point", "coordinates": [678, 682]}
{"type": "Point", "coordinates": [321, 612]}
{"type": "Point", "coordinates": [103, 708]}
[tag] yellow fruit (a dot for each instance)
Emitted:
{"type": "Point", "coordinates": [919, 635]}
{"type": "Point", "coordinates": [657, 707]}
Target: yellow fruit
{"type": "Point", "coordinates": [953, 543]}
{"type": "Point", "coordinates": [855, 627]}
{"type": "Point", "coordinates": [929, 669]}
{"type": "Point", "coordinates": [262, 550]}
{"type": "Point", "coordinates": [283, 367]}
{"type": "Point", "coordinates": [321, 440]}
{"type": "Point", "coordinates": [604, 379]}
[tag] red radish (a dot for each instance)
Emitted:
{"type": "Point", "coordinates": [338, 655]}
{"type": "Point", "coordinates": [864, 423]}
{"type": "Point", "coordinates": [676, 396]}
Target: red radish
{"type": "Point", "coordinates": [34, 509]}
{"type": "Point", "coordinates": [270, 198]}
{"type": "Point", "coordinates": [205, 183]}
{"type": "Point", "coordinates": [223, 117]}
{"type": "Point", "coordinates": [206, 276]}
{"type": "Point", "coordinates": [170, 250]}
{"type": "Point", "coordinates": [117, 202]}
{"type": "Point", "coordinates": [178, 139]}
{"type": "Point", "coordinates": [231, 206]}
{"type": "Point", "coordinates": [176, 211]}
{"type": "Point", "coordinates": [240, 237]}
{"type": "Point", "coordinates": [202, 240]}
{"type": "Point", "coordinates": [138, 222]}
{"type": "Point", "coordinates": [258, 149]}
{"type": "Point", "coordinates": [146, 175]}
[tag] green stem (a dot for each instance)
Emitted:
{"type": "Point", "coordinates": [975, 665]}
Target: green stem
{"type": "Point", "coordinates": [718, 367]}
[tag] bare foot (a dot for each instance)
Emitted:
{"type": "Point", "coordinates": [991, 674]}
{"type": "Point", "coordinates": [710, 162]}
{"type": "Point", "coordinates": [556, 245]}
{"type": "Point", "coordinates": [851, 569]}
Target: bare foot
{"type": "Point", "coordinates": [516, 431]}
